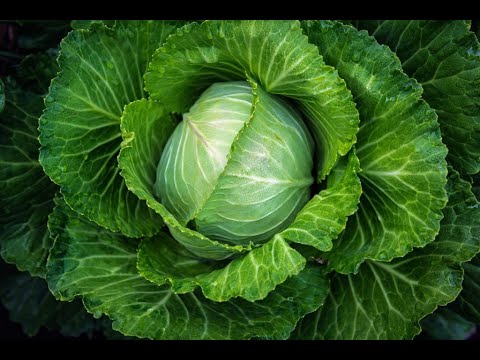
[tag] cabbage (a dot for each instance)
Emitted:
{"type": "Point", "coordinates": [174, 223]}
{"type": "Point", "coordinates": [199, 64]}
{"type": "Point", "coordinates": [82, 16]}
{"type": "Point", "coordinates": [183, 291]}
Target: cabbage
{"type": "Point", "coordinates": [246, 179]}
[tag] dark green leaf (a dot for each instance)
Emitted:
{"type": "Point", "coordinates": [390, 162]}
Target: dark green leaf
{"type": "Point", "coordinates": [468, 302]}
{"type": "Point", "coordinates": [444, 57]}
{"type": "Point", "coordinates": [399, 146]}
{"type": "Point", "coordinates": [101, 71]}
{"type": "Point", "coordinates": [31, 304]}
{"type": "Point", "coordinates": [26, 193]}
{"type": "Point", "coordinates": [445, 324]}
{"type": "Point", "coordinates": [100, 266]}
{"type": "Point", "coordinates": [386, 300]}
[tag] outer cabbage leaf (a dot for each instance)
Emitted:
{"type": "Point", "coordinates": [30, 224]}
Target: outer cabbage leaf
{"type": "Point", "coordinates": [386, 300]}
{"type": "Point", "coordinates": [468, 302]}
{"type": "Point", "coordinates": [26, 193]}
{"type": "Point", "coordinates": [31, 304]}
{"type": "Point", "coordinates": [444, 57]}
{"type": "Point", "coordinates": [101, 70]}
{"type": "Point", "coordinates": [109, 283]}
{"type": "Point", "coordinates": [445, 324]}
{"type": "Point", "coordinates": [399, 147]}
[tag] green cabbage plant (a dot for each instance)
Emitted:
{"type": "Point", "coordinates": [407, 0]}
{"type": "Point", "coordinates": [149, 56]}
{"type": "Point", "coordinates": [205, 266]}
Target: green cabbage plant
{"type": "Point", "coordinates": [245, 179]}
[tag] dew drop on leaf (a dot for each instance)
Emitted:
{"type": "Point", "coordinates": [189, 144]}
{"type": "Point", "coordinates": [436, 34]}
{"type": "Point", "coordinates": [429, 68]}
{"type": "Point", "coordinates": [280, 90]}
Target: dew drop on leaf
{"type": "Point", "coordinates": [451, 279]}
{"type": "Point", "coordinates": [382, 256]}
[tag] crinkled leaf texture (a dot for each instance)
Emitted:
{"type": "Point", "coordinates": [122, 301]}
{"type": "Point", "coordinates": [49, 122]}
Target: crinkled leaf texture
{"type": "Point", "coordinates": [138, 160]}
{"type": "Point", "coordinates": [158, 287]}
{"type": "Point", "coordinates": [251, 276]}
{"type": "Point", "coordinates": [101, 70]}
{"type": "Point", "coordinates": [181, 63]}
{"type": "Point", "coordinates": [26, 193]}
{"type": "Point", "coordinates": [277, 55]}
{"type": "Point", "coordinates": [109, 283]}
{"type": "Point", "coordinates": [444, 57]}
{"type": "Point", "coordinates": [467, 304]}
{"type": "Point", "coordinates": [324, 217]}
{"type": "Point", "coordinates": [399, 147]}
{"type": "Point", "coordinates": [386, 300]}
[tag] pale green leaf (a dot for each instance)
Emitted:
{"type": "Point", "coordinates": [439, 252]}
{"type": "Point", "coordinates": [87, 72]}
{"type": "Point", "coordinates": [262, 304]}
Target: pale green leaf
{"type": "Point", "coordinates": [275, 54]}
{"type": "Point", "coordinates": [266, 180]}
{"type": "Point", "coordinates": [196, 153]}
{"type": "Point", "coordinates": [138, 160]}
